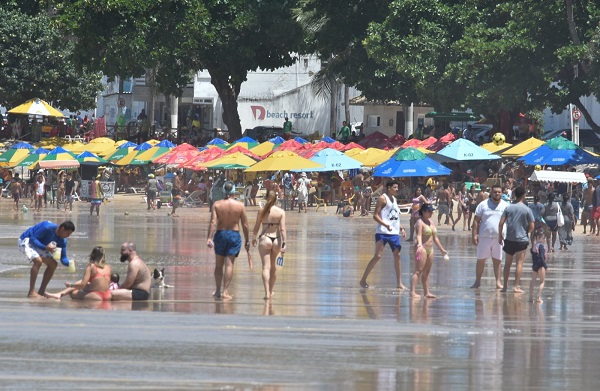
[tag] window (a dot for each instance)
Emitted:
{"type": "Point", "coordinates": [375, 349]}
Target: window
{"type": "Point", "coordinates": [373, 121]}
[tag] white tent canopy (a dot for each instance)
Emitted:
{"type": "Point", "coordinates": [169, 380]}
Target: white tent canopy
{"type": "Point", "coordinates": [558, 176]}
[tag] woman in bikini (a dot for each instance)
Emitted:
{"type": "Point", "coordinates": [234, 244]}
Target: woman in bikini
{"type": "Point", "coordinates": [417, 202]}
{"type": "Point", "coordinates": [271, 240]}
{"type": "Point", "coordinates": [472, 202]}
{"type": "Point", "coordinates": [95, 284]}
{"type": "Point", "coordinates": [426, 236]}
{"type": "Point", "coordinates": [463, 206]}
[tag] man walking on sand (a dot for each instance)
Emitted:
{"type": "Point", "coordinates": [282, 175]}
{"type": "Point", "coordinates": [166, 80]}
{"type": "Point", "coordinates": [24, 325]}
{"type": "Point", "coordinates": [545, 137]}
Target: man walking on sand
{"type": "Point", "coordinates": [387, 216]}
{"type": "Point", "coordinates": [225, 221]}
{"type": "Point", "coordinates": [137, 283]}
{"type": "Point", "coordinates": [485, 234]}
{"type": "Point", "coordinates": [519, 223]}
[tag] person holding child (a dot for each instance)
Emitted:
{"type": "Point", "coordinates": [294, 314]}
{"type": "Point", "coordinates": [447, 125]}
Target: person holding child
{"type": "Point", "coordinates": [95, 283]}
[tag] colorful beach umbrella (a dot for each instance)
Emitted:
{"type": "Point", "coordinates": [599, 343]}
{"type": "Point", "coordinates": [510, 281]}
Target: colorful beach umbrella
{"type": "Point", "coordinates": [410, 162]}
{"type": "Point", "coordinates": [464, 150]}
{"type": "Point", "coordinates": [120, 153]}
{"type": "Point", "coordinates": [89, 158]}
{"type": "Point", "coordinates": [198, 163]}
{"type": "Point", "coordinates": [547, 156]}
{"type": "Point", "coordinates": [523, 148]}
{"type": "Point", "coordinates": [22, 145]}
{"type": "Point", "coordinates": [283, 161]}
{"type": "Point", "coordinates": [58, 158]}
{"type": "Point", "coordinates": [31, 159]}
{"type": "Point", "coordinates": [177, 157]}
{"type": "Point", "coordinates": [36, 106]}
{"type": "Point", "coordinates": [279, 140]}
{"type": "Point", "coordinates": [14, 155]}
{"type": "Point", "coordinates": [298, 139]}
{"type": "Point", "coordinates": [217, 141]}
{"type": "Point", "coordinates": [333, 160]}
{"type": "Point", "coordinates": [233, 160]}
{"type": "Point", "coordinates": [263, 148]}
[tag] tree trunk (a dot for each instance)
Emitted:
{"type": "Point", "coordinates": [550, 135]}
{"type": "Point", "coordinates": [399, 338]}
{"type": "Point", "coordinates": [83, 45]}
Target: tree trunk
{"type": "Point", "coordinates": [332, 110]}
{"type": "Point", "coordinates": [347, 104]}
{"type": "Point", "coordinates": [228, 93]}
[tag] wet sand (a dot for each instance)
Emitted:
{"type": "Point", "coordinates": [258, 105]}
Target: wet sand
{"type": "Point", "coordinates": [320, 331]}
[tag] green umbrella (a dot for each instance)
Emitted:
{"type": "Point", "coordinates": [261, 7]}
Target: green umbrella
{"type": "Point", "coordinates": [561, 143]}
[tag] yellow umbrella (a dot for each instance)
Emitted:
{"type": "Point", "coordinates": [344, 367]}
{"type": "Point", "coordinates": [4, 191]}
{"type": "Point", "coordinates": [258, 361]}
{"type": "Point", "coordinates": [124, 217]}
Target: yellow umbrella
{"type": "Point", "coordinates": [523, 148]}
{"type": "Point", "coordinates": [234, 160]}
{"type": "Point", "coordinates": [353, 151]}
{"type": "Point", "coordinates": [263, 148]}
{"type": "Point", "coordinates": [284, 161]}
{"type": "Point", "coordinates": [103, 140]}
{"type": "Point", "coordinates": [493, 148]}
{"type": "Point", "coordinates": [11, 157]}
{"type": "Point", "coordinates": [36, 106]}
{"type": "Point", "coordinates": [76, 147]}
{"type": "Point", "coordinates": [424, 150]}
{"type": "Point", "coordinates": [153, 142]}
{"type": "Point", "coordinates": [370, 157]}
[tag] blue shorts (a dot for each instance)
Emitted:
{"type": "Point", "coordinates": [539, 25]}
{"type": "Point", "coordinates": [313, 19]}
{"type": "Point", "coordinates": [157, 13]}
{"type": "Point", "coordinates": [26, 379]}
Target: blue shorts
{"type": "Point", "coordinates": [227, 243]}
{"type": "Point", "coordinates": [392, 240]}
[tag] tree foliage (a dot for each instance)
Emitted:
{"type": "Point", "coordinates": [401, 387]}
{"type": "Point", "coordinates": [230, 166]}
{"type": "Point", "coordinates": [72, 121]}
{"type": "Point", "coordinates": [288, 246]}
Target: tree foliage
{"type": "Point", "coordinates": [37, 61]}
{"type": "Point", "coordinates": [228, 38]}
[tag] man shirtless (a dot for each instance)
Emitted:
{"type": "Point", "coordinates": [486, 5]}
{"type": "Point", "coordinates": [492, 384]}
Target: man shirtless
{"type": "Point", "coordinates": [444, 203]}
{"type": "Point", "coordinates": [137, 283]}
{"type": "Point", "coordinates": [357, 182]}
{"type": "Point", "coordinates": [482, 196]}
{"type": "Point", "coordinates": [586, 214]}
{"type": "Point", "coordinates": [225, 225]}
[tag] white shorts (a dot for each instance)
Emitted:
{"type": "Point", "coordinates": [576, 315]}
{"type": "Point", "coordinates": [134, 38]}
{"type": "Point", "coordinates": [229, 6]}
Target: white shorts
{"type": "Point", "coordinates": [30, 252]}
{"type": "Point", "coordinates": [489, 248]}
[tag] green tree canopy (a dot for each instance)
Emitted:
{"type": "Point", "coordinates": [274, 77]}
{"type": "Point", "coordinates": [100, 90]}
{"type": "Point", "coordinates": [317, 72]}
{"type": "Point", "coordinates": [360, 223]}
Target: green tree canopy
{"type": "Point", "coordinates": [228, 38]}
{"type": "Point", "coordinates": [36, 61]}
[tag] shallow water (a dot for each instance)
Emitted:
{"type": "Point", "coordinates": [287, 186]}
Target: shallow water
{"type": "Point", "coordinates": [320, 331]}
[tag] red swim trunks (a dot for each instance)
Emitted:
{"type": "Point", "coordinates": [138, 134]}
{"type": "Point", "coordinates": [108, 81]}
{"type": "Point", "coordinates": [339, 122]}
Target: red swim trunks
{"type": "Point", "coordinates": [596, 213]}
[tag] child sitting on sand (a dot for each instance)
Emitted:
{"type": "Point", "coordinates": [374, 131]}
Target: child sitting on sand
{"type": "Point", "coordinates": [114, 281]}
{"type": "Point", "coordinates": [538, 253]}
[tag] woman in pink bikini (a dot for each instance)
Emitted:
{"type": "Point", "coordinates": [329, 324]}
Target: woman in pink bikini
{"type": "Point", "coordinates": [95, 283]}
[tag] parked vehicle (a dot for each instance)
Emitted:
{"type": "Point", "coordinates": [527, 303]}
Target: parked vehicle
{"type": "Point", "coordinates": [263, 133]}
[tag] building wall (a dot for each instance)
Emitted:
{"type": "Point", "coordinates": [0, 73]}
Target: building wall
{"type": "Point", "coordinates": [387, 115]}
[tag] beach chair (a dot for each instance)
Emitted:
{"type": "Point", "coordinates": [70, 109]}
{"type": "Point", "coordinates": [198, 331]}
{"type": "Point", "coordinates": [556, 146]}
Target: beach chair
{"type": "Point", "coordinates": [193, 199]}
{"type": "Point", "coordinates": [320, 203]}
{"type": "Point", "coordinates": [343, 203]}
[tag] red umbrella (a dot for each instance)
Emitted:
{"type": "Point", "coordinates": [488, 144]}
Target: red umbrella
{"type": "Point", "coordinates": [352, 145]}
{"type": "Point", "coordinates": [448, 138]}
{"type": "Point", "coordinates": [177, 157]}
{"type": "Point", "coordinates": [204, 156]}
{"type": "Point", "coordinates": [184, 147]}
{"type": "Point", "coordinates": [288, 145]}
{"type": "Point", "coordinates": [428, 142]}
{"type": "Point", "coordinates": [413, 142]}
{"type": "Point", "coordinates": [337, 146]}
{"type": "Point", "coordinates": [397, 140]}
{"type": "Point", "coordinates": [239, 148]}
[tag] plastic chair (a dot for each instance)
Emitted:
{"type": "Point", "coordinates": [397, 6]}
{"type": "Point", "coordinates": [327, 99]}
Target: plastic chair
{"type": "Point", "coordinates": [320, 203]}
{"type": "Point", "coordinates": [193, 199]}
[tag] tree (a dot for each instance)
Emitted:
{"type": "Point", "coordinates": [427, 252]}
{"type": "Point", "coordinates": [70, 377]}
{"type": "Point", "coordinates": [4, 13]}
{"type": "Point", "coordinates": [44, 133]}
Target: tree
{"type": "Point", "coordinates": [228, 38]}
{"type": "Point", "coordinates": [37, 62]}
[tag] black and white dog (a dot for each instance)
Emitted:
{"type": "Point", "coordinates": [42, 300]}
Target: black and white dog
{"type": "Point", "coordinates": [159, 279]}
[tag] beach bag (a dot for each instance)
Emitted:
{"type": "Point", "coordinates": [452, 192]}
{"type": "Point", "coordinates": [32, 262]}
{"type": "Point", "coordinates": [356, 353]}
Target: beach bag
{"type": "Point", "coordinates": [560, 219]}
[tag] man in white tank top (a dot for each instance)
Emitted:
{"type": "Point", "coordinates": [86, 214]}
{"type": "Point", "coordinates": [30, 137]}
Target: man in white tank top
{"type": "Point", "coordinates": [387, 216]}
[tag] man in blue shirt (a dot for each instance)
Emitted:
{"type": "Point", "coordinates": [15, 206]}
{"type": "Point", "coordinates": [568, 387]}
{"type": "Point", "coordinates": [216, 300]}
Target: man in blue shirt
{"type": "Point", "coordinates": [38, 244]}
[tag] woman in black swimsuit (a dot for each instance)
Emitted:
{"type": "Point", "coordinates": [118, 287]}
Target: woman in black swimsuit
{"type": "Point", "coordinates": [271, 240]}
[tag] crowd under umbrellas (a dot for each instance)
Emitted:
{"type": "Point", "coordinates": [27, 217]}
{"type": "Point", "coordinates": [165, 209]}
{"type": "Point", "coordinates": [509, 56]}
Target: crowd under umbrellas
{"type": "Point", "coordinates": [415, 163]}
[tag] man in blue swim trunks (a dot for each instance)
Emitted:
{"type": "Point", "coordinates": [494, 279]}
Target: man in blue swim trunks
{"type": "Point", "coordinates": [387, 216]}
{"type": "Point", "coordinates": [225, 220]}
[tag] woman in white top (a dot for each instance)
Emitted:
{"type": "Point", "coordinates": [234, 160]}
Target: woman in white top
{"type": "Point", "coordinates": [271, 240]}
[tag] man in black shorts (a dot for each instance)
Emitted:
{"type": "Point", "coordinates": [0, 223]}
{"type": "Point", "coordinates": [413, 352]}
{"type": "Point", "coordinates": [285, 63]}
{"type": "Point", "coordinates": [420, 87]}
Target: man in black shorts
{"type": "Point", "coordinates": [519, 224]}
{"type": "Point", "coordinates": [137, 283]}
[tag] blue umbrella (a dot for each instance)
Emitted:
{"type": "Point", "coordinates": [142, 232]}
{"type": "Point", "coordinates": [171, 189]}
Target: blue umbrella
{"type": "Point", "coordinates": [547, 156]}
{"type": "Point", "coordinates": [22, 145]}
{"type": "Point", "coordinates": [410, 162]}
{"type": "Point", "coordinates": [143, 147]}
{"type": "Point", "coordinates": [127, 145]}
{"type": "Point", "coordinates": [246, 139]}
{"type": "Point", "coordinates": [40, 151]}
{"type": "Point", "coordinates": [216, 141]}
{"type": "Point", "coordinates": [463, 150]}
{"type": "Point", "coordinates": [333, 160]}
{"type": "Point", "coordinates": [278, 140]}
{"type": "Point", "coordinates": [328, 139]}
{"type": "Point", "coordinates": [165, 144]}
{"type": "Point", "coordinates": [58, 150]}
{"type": "Point", "coordinates": [299, 139]}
